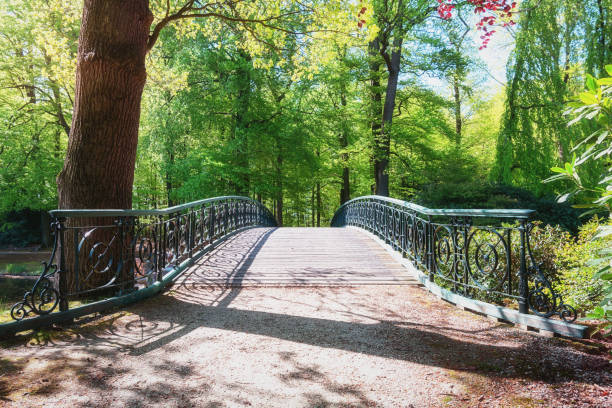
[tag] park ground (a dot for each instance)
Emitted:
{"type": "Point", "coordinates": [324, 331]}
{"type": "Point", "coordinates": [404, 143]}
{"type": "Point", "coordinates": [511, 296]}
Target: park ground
{"type": "Point", "coordinates": [367, 346]}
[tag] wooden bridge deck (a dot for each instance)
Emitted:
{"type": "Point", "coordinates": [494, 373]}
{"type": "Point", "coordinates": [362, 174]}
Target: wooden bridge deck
{"type": "Point", "coordinates": [297, 257]}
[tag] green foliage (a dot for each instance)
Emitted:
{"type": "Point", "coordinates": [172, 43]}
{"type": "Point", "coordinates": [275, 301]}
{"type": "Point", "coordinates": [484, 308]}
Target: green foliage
{"type": "Point", "coordinates": [566, 261]}
{"type": "Point", "coordinates": [594, 105]}
{"type": "Point", "coordinates": [19, 228]}
{"type": "Point", "coordinates": [37, 50]}
{"type": "Point", "coordinates": [547, 66]}
{"type": "Point", "coordinates": [602, 260]}
{"type": "Point", "coordinates": [480, 194]}
{"type": "Point", "coordinates": [228, 110]}
{"type": "Point", "coordinates": [578, 281]}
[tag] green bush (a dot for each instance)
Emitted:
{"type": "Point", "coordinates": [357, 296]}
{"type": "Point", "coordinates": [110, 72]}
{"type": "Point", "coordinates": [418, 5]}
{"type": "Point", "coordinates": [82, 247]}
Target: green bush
{"type": "Point", "coordinates": [488, 196]}
{"type": "Point", "coordinates": [20, 228]}
{"type": "Point", "coordinates": [565, 260]}
{"type": "Point", "coordinates": [594, 106]}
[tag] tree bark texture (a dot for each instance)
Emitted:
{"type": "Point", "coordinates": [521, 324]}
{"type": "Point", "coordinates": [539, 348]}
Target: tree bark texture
{"type": "Point", "coordinates": [345, 190]}
{"type": "Point", "coordinates": [98, 169]}
{"type": "Point", "coordinates": [383, 142]}
{"type": "Point", "coordinates": [110, 78]}
{"type": "Point", "coordinates": [375, 102]}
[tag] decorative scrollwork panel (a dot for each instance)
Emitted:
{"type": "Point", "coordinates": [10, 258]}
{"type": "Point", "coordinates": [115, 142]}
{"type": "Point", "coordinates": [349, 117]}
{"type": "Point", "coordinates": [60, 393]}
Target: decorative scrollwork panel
{"type": "Point", "coordinates": [475, 260]}
{"type": "Point", "coordinates": [101, 253]}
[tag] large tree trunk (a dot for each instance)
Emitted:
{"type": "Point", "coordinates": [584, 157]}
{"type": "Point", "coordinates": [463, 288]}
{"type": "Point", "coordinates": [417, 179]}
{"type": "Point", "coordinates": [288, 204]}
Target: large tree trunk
{"type": "Point", "coordinates": [375, 101]}
{"type": "Point", "coordinates": [345, 190]}
{"type": "Point", "coordinates": [110, 78]}
{"type": "Point", "coordinates": [383, 143]}
{"type": "Point", "coordinates": [241, 184]}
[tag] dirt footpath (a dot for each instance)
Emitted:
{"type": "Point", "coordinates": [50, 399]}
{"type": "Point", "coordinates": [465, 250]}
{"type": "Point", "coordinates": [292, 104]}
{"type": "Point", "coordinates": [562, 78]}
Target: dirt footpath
{"type": "Point", "coordinates": [368, 346]}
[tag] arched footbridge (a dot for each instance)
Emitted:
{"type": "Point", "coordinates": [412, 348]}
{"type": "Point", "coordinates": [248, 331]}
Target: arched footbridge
{"type": "Point", "coordinates": [480, 260]}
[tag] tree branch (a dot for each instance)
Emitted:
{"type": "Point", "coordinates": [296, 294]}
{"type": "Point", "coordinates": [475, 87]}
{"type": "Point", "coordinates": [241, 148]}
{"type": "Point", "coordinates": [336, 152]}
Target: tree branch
{"type": "Point", "coordinates": [188, 11]}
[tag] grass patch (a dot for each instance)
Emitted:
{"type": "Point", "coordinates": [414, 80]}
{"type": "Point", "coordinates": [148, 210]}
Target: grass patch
{"type": "Point", "coordinates": [21, 268]}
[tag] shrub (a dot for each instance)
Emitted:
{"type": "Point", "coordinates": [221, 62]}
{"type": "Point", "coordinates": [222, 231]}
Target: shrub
{"type": "Point", "coordinates": [565, 260]}
{"type": "Point", "coordinates": [483, 195]}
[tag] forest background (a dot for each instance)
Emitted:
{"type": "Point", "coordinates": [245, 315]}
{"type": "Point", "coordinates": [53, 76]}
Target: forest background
{"type": "Point", "coordinates": [299, 122]}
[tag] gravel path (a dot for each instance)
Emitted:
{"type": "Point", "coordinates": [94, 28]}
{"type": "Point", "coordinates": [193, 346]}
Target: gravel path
{"type": "Point", "coordinates": [365, 346]}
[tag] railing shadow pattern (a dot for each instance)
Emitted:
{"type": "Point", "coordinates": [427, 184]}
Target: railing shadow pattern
{"type": "Point", "coordinates": [221, 273]}
{"type": "Point", "coordinates": [480, 254]}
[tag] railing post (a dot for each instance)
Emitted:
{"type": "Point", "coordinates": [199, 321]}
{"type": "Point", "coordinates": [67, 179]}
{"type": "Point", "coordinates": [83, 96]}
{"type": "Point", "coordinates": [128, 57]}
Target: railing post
{"type": "Point", "coordinates": [211, 225]}
{"type": "Point", "coordinates": [161, 255]}
{"type": "Point", "coordinates": [386, 221]}
{"type": "Point", "coordinates": [191, 232]}
{"type": "Point", "coordinates": [467, 225]}
{"type": "Point", "coordinates": [129, 262]}
{"type": "Point", "coordinates": [123, 282]}
{"type": "Point", "coordinates": [455, 258]}
{"type": "Point", "coordinates": [404, 233]}
{"type": "Point", "coordinates": [177, 237]}
{"type": "Point", "coordinates": [226, 217]}
{"type": "Point", "coordinates": [202, 225]}
{"type": "Point", "coordinates": [77, 262]}
{"type": "Point", "coordinates": [240, 214]}
{"type": "Point", "coordinates": [236, 210]}
{"type": "Point", "coordinates": [523, 285]}
{"type": "Point", "coordinates": [62, 285]}
{"type": "Point", "coordinates": [429, 234]}
{"type": "Point", "coordinates": [509, 260]}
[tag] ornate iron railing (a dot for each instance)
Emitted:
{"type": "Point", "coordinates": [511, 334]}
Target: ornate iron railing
{"type": "Point", "coordinates": [104, 253]}
{"type": "Point", "coordinates": [481, 254]}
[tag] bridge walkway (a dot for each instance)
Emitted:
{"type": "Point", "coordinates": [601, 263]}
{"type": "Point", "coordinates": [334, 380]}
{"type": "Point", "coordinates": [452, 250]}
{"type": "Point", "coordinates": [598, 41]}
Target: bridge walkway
{"type": "Point", "coordinates": [287, 257]}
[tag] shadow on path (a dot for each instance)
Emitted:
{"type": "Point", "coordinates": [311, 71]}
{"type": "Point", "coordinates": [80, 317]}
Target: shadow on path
{"type": "Point", "coordinates": [431, 345]}
{"type": "Point", "coordinates": [359, 328]}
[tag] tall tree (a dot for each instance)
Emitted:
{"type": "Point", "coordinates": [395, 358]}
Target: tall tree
{"type": "Point", "coordinates": [37, 49]}
{"type": "Point", "coordinates": [110, 78]}
{"type": "Point", "coordinates": [114, 40]}
{"type": "Point", "coordinates": [547, 66]}
{"type": "Point", "coordinates": [394, 18]}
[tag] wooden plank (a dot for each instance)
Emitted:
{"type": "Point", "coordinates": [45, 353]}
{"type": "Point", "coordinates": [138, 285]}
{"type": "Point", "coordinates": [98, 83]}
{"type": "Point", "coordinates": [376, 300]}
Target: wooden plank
{"type": "Point", "coordinates": [298, 257]}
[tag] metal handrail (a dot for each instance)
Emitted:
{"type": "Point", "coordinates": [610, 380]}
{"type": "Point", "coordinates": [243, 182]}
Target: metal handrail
{"type": "Point", "coordinates": [449, 212]}
{"type": "Point", "coordinates": [128, 213]}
